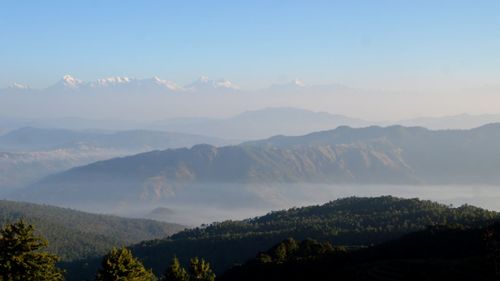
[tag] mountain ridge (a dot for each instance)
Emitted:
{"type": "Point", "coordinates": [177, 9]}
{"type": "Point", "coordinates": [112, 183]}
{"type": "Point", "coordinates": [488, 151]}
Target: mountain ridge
{"type": "Point", "coordinates": [373, 155]}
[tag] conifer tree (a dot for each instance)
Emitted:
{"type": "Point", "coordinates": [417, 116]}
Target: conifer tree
{"type": "Point", "coordinates": [21, 255]}
{"type": "Point", "coordinates": [200, 270]}
{"type": "Point", "coordinates": [175, 272]}
{"type": "Point", "coordinates": [121, 265]}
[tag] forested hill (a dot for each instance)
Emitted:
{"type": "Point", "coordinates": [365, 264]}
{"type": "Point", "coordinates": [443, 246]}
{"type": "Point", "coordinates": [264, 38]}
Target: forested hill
{"type": "Point", "coordinates": [350, 221]}
{"type": "Point", "coordinates": [76, 235]}
{"type": "Point", "coordinates": [437, 253]}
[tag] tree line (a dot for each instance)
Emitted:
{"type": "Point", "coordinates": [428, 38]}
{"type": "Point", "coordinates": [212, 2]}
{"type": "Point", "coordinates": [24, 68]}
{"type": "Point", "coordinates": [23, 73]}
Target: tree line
{"type": "Point", "coordinates": [23, 258]}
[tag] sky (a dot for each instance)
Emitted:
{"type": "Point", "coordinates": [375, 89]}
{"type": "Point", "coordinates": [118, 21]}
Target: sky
{"type": "Point", "coordinates": [370, 44]}
{"type": "Point", "coordinates": [404, 59]}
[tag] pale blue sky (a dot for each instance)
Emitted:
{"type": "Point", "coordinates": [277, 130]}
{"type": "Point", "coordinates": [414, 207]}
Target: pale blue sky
{"type": "Point", "coordinates": [253, 43]}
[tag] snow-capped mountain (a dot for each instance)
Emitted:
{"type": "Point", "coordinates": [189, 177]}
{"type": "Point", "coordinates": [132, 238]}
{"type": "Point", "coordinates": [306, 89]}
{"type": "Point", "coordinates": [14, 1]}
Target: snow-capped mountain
{"type": "Point", "coordinates": [111, 81]}
{"type": "Point", "coordinates": [205, 84]}
{"type": "Point", "coordinates": [116, 83]}
{"type": "Point", "coordinates": [121, 84]}
{"type": "Point", "coordinates": [18, 86]}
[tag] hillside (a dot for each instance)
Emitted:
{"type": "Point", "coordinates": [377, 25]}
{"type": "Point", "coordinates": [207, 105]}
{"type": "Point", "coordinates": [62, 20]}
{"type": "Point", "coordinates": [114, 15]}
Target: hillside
{"type": "Point", "coordinates": [437, 253]}
{"type": "Point", "coordinates": [29, 154]}
{"type": "Point", "coordinates": [372, 155]}
{"type": "Point", "coordinates": [353, 222]}
{"type": "Point", "coordinates": [350, 222]}
{"type": "Point", "coordinates": [76, 235]}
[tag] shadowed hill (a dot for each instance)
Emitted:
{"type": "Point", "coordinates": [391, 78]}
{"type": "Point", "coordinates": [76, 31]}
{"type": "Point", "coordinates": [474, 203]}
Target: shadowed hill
{"type": "Point", "coordinates": [76, 235]}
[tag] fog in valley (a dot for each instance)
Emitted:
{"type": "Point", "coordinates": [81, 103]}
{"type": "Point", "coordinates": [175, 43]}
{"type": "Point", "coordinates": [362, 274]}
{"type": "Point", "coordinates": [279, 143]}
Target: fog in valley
{"type": "Point", "coordinates": [197, 207]}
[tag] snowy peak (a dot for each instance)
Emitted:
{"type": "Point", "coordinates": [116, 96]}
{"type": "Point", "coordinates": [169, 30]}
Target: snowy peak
{"type": "Point", "coordinates": [111, 81]}
{"type": "Point", "coordinates": [123, 84]}
{"type": "Point", "coordinates": [118, 83]}
{"type": "Point", "coordinates": [167, 84]}
{"type": "Point", "coordinates": [204, 83]}
{"type": "Point", "coordinates": [17, 86]}
{"type": "Point", "coordinates": [70, 82]}
{"type": "Point", "coordinates": [226, 84]}
{"type": "Point", "coordinates": [295, 84]}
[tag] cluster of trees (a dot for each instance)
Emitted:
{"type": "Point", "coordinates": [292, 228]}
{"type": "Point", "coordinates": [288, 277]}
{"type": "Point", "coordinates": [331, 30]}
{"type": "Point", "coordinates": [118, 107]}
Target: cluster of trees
{"type": "Point", "coordinates": [23, 257]}
{"type": "Point", "coordinates": [351, 222]}
{"type": "Point", "coordinates": [436, 254]}
{"type": "Point", "coordinates": [293, 250]}
{"type": "Point", "coordinates": [120, 264]}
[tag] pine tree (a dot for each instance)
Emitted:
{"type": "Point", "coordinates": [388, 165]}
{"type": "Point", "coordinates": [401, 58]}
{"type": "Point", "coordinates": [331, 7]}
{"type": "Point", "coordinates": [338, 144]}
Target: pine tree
{"type": "Point", "coordinates": [200, 270]}
{"type": "Point", "coordinates": [21, 257]}
{"type": "Point", "coordinates": [175, 272]}
{"type": "Point", "coordinates": [121, 265]}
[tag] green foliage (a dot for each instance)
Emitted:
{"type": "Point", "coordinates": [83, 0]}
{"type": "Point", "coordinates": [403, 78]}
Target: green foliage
{"type": "Point", "coordinates": [445, 253]}
{"type": "Point", "coordinates": [121, 265]}
{"type": "Point", "coordinates": [75, 235]}
{"type": "Point", "coordinates": [292, 250]}
{"type": "Point", "coordinates": [200, 270]}
{"type": "Point", "coordinates": [366, 220]}
{"type": "Point", "coordinates": [350, 222]}
{"type": "Point", "coordinates": [21, 258]}
{"type": "Point", "coordinates": [353, 222]}
{"type": "Point", "coordinates": [175, 272]}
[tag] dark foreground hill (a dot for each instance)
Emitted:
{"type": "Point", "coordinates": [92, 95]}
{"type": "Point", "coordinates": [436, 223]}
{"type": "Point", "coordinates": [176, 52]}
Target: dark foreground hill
{"type": "Point", "coordinates": [373, 155]}
{"type": "Point", "coordinates": [75, 235]}
{"type": "Point", "coordinates": [437, 253]}
{"type": "Point", "coordinates": [352, 222]}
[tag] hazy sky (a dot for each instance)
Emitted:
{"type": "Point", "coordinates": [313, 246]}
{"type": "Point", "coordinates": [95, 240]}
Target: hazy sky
{"type": "Point", "coordinates": [368, 44]}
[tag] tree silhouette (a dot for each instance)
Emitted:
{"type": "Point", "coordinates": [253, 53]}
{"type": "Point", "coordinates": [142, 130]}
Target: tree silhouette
{"type": "Point", "coordinates": [21, 257]}
{"type": "Point", "coordinates": [200, 270]}
{"type": "Point", "coordinates": [121, 265]}
{"type": "Point", "coordinates": [175, 272]}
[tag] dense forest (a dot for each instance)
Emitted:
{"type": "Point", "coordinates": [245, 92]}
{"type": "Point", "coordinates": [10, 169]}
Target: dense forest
{"type": "Point", "coordinates": [76, 235]}
{"type": "Point", "coordinates": [466, 246]}
{"type": "Point", "coordinates": [437, 253]}
{"type": "Point", "coordinates": [351, 222]}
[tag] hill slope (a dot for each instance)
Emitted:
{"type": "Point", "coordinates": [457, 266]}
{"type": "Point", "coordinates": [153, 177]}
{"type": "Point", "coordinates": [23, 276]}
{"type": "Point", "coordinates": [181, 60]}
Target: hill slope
{"type": "Point", "coordinates": [437, 253]}
{"type": "Point", "coordinates": [76, 235]}
{"type": "Point", "coordinates": [355, 222]}
{"type": "Point", "coordinates": [30, 154]}
{"type": "Point", "coordinates": [350, 221]}
{"type": "Point", "coordinates": [373, 155]}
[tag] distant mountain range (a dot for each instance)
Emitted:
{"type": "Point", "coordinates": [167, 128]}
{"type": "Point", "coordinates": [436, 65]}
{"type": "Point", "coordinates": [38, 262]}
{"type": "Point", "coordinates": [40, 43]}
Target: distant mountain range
{"type": "Point", "coordinates": [29, 154]}
{"type": "Point", "coordinates": [35, 139]}
{"type": "Point", "coordinates": [260, 123]}
{"type": "Point", "coordinates": [153, 85]}
{"type": "Point", "coordinates": [112, 98]}
{"type": "Point", "coordinates": [372, 155]}
{"type": "Point", "coordinates": [248, 125]}
{"type": "Point", "coordinates": [461, 121]}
